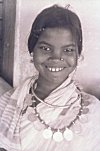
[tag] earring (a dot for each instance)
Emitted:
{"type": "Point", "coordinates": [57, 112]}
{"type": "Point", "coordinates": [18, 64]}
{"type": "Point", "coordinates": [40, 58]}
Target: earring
{"type": "Point", "coordinates": [31, 60]}
{"type": "Point", "coordinates": [61, 59]}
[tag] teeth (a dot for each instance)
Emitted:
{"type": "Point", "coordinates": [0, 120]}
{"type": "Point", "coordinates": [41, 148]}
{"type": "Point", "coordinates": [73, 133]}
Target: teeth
{"type": "Point", "coordinates": [55, 69]}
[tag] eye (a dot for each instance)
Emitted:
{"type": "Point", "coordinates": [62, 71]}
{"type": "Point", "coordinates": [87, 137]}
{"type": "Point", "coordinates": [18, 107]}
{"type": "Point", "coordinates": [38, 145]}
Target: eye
{"type": "Point", "coordinates": [45, 48]}
{"type": "Point", "coordinates": [69, 50]}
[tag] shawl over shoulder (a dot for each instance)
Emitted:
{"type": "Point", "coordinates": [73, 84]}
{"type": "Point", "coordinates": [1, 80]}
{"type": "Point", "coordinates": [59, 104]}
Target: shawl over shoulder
{"type": "Point", "coordinates": [17, 133]}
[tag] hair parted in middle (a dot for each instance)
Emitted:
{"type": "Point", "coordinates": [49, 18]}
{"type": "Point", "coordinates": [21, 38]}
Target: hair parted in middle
{"type": "Point", "coordinates": [55, 17]}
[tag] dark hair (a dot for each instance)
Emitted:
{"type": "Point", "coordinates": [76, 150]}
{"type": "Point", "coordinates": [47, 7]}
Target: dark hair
{"type": "Point", "coordinates": [55, 16]}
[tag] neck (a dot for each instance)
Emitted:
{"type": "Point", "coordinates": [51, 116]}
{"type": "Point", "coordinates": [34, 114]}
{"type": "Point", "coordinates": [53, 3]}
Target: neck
{"type": "Point", "coordinates": [44, 88]}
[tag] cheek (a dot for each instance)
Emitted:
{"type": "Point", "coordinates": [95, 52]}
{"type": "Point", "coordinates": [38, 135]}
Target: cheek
{"type": "Point", "coordinates": [39, 58]}
{"type": "Point", "coordinates": [71, 61]}
{"type": "Point", "coordinates": [37, 62]}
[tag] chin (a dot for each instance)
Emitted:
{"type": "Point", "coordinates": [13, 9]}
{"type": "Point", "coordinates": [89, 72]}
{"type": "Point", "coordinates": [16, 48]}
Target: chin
{"type": "Point", "coordinates": [58, 80]}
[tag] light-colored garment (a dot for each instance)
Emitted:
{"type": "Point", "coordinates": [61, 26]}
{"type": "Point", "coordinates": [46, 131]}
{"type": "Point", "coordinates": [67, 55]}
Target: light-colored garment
{"type": "Point", "coordinates": [18, 133]}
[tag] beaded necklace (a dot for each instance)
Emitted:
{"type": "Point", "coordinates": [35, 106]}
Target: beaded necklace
{"type": "Point", "coordinates": [55, 133]}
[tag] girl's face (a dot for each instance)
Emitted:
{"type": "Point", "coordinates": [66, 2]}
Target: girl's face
{"type": "Point", "coordinates": [55, 55]}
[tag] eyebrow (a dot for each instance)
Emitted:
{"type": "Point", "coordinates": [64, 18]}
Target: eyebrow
{"type": "Point", "coordinates": [43, 42]}
{"type": "Point", "coordinates": [68, 45]}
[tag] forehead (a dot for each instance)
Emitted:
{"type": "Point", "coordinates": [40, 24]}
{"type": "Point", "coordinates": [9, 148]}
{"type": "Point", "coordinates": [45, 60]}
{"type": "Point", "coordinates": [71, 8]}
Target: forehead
{"type": "Point", "coordinates": [57, 35]}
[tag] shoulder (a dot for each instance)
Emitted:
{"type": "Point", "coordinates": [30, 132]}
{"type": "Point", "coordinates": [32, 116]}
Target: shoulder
{"type": "Point", "coordinates": [92, 127]}
{"type": "Point", "coordinates": [93, 106]}
{"type": "Point", "coordinates": [15, 96]}
{"type": "Point", "coordinates": [91, 98]}
{"type": "Point", "coordinates": [94, 112]}
{"type": "Point", "coordinates": [4, 99]}
{"type": "Point", "coordinates": [93, 102]}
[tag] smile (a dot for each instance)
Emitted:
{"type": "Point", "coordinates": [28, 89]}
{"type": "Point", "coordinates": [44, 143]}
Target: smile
{"type": "Point", "coordinates": [54, 69]}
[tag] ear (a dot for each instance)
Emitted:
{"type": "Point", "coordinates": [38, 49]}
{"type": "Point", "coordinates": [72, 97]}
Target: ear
{"type": "Point", "coordinates": [80, 58]}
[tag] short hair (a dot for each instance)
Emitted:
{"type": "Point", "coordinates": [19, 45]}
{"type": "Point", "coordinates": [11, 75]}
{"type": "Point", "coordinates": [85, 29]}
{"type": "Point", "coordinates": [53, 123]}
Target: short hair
{"type": "Point", "coordinates": [52, 17]}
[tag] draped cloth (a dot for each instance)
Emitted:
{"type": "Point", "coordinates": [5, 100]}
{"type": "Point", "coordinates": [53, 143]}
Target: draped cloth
{"type": "Point", "coordinates": [18, 133]}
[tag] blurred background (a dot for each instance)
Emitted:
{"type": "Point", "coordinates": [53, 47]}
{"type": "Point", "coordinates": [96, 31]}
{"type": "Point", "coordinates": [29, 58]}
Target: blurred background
{"type": "Point", "coordinates": [17, 17]}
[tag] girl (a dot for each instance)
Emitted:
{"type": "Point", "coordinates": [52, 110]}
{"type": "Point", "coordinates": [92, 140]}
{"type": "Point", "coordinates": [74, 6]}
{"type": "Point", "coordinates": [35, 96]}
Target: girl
{"type": "Point", "coordinates": [49, 112]}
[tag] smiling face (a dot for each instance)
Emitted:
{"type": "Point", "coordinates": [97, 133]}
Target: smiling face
{"type": "Point", "coordinates": [55, 55]}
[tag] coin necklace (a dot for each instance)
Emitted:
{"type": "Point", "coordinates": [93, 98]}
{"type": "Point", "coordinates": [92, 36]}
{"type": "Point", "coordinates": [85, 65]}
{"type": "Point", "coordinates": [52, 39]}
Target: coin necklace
{"type": "Point", "coordinates": [54, 133]}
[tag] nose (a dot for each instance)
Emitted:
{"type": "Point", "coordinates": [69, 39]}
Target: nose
{"type": "Point", "coordinates": [57, 54]}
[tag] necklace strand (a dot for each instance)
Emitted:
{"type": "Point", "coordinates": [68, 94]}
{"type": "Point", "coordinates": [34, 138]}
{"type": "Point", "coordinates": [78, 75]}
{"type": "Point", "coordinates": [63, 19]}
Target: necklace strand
{"type": "Point", "coordinates": [58, 134]}
{"type": "Point", "coordinates": [72, 122]}
{"type": "Point", "coordinates": [52, 105]}
{"type": "Point", "coordinates": [48, 104]}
